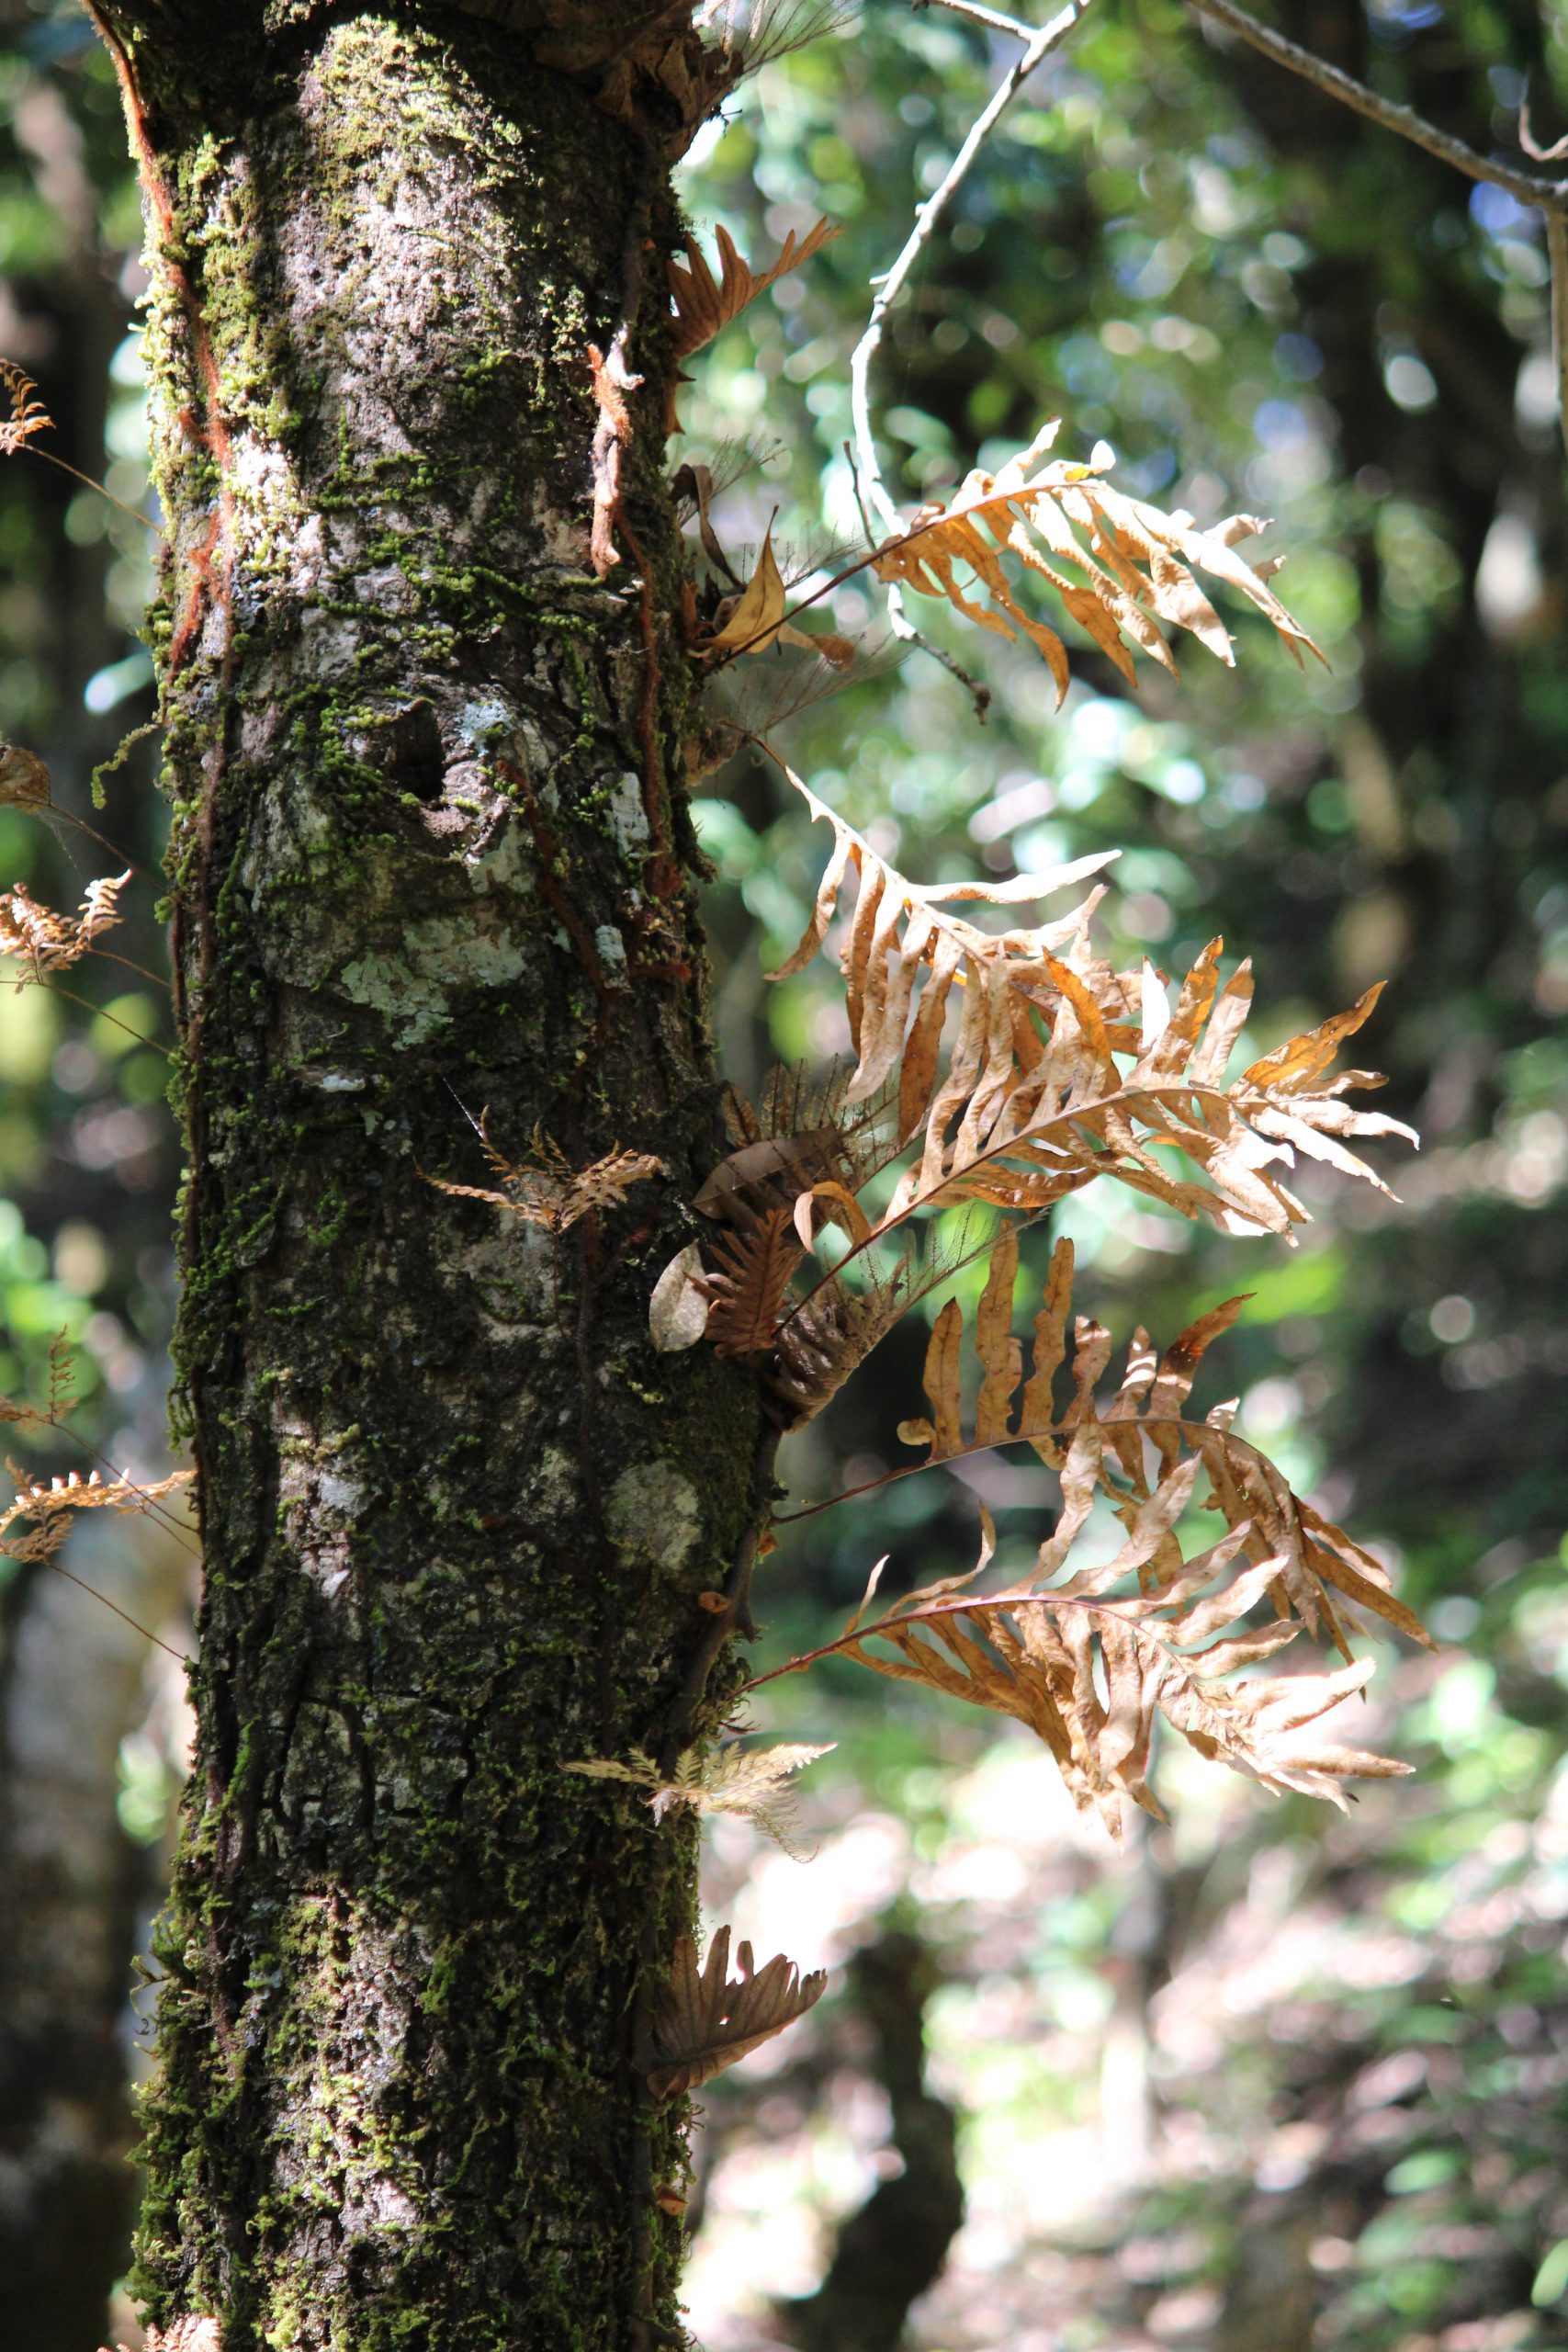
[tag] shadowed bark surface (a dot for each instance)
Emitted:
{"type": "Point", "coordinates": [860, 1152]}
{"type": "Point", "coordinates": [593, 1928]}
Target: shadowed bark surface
{"type": "Point", "coordinates": [427, 859]}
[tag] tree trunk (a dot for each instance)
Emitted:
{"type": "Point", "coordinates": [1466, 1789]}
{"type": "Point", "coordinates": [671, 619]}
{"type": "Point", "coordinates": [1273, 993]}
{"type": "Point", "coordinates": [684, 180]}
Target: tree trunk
{"type": "Point", "coordinates": [70, 1681]}
{"type": "Point", "coordinates": [430, 859]}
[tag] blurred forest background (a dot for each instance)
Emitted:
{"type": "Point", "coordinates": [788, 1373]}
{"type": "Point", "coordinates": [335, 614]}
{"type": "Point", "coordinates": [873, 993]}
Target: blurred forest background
{"type": "Point", "coordinates": [1270, 2079]}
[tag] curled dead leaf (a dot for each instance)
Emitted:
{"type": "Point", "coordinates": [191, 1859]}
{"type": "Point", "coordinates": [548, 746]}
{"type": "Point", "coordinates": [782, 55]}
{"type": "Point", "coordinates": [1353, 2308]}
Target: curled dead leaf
{"type": "Point", "coordinates": [677, 1311]}
{"type": "Point", "coordinates": [756, 616]}
{"type": "Point", "coordinates": [24, 779]}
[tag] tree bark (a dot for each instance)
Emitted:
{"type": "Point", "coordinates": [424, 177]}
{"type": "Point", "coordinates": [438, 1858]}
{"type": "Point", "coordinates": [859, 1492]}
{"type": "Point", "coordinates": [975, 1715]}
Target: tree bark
{"type": "Point", "coordinates": [430, 859]}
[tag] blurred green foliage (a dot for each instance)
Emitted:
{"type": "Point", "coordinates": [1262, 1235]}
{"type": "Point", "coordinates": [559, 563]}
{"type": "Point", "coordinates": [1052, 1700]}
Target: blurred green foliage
{"type": "Point", "coordinates": [87, 1147]}
{"type": "Point", "coordinates": [1263, 304]}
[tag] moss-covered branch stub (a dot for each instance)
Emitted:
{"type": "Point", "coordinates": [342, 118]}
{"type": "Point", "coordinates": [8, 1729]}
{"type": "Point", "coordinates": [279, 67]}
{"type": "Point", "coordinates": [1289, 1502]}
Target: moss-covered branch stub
{"type": "Point", "coordinates": [457, 1515]}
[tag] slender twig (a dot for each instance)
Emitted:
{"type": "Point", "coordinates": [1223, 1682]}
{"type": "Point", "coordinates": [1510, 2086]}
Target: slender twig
{"type": "Point", "coordinates": [129, 963]}
{"type": "Point", "coordinates": [891, 285]}
{"type": "Point", "coordinates": [1037, 47]}
{"type": "Point", "coordinates": [86, 480]}
{"type": "Point", "coordinates": [68, 817]}
{"type": "Point", "coordinates": [990, 18]}
{"type": "Point", "coordinates": [124, 1614]}
{"type": "Point", "coordinates": [1525, 185]}
{"type": "Point", "coordinates": [99, 1014]}
{"type": "Point", "coordinates": [1557, 256]}
{"type": "Point", "coordinates": [1549, 196]}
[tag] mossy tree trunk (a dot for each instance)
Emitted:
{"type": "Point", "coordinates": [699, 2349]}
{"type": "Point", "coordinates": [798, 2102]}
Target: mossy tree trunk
{"type": "Point", "coordinates": [429, 857]}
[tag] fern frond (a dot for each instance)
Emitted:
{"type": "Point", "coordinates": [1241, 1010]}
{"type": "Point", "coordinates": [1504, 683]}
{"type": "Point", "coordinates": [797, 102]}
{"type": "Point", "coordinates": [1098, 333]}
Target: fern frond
{"type": "Point", "coordinates": [1100, 1446]}
{"type": "Point", "coordinates": [1088, 1657]}
{"type": "Point", "coordinates": [24, 778]}
{"type": "Point", "coordinates": [745, 1287]}
{"type": "Point", "coordinates": [830, 1335]}
{"type": "Point", "coordinates": [1061, 1070]}
{"type": "Point", "coordinates": [745, 1781]}
{"type": "Point", "coordinates": [61, 1379]}
{"type": "Point", "coordinates": [47, 1506]}
{"type": "Point", "coordinates": [1136, 565]}
{"type": "Point", "coordinates": [100, 907]}
{"type": "Point", "coordinates": [49, 942]}
{"type": "Point", "coordinates": [544, 1191]}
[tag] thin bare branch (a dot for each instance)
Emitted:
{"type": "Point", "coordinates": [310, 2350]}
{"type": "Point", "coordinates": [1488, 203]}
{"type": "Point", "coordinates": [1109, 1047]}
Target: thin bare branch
{"type": "Point", "coordinates": [123, 1614]}
{"type": "Point", "coordinates": [1557, 256]}
{"type": "Point", "coordinates": [1038, 46]}
{"type": "Point", "coordinates": [991, 18]}
{"type": "Point", "coordinates": [1550, 195]}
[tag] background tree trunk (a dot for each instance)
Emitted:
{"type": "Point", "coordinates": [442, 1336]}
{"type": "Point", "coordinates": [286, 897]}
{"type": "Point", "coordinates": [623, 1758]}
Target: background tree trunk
{"type": "Point", "coordinates": [427, 860]}
{"type": "Point", "coordinates": [71, 1685]}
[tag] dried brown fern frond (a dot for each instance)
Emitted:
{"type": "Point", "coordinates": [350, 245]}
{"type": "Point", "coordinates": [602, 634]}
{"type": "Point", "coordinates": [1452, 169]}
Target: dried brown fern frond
{"type": "Point", "coordinates": [703, 2022]}
{"type": "Point", "coordinates": [747, 1283]}
{"type": "Point", "coordinates": [734, 1288]}
{"type": "Point", "coordinates": [27, 413]}
{"type": "Point", "coordinates": [1236, 1136]}
{"type": "Point", "coordinates": [901, 958]}
{"type": "Point", "coordinates": [1089, 1675]}
{"type": "Point", "coordinates": [703, 304]}
{"type": "Point", "coordinates": [187, 2335]}
{"type": "Point", "coordinates": [1029, 1100]}
{"type": "Point", "coordinates": [1135, 1442]}
{"type": "Point", "coordinates": [47, 1506]}
{"type": "Point", "coordinates": [749, 1782]}
{"type": "Point", "coordinates": [829, 1335]}
{"type": "Point", "coordinates": [1135, 565]}
{"type": "Point", "coordinates": [1088, 1658]}
{"type": "Point", "coordinates": [45, 941]}
{"type": "Point", "coordinates": [544, 1189]}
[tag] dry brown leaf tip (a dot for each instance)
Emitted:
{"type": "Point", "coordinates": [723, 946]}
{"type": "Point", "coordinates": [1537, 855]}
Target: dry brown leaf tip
{"type": "Point", "coordinates": [755, 618]}
{"type": "Point", "coordinates": [27, 413]}
{"type": "Point", "coordinates": [44, 941]}
{"type": "Point", "coordinates": [703, 304]}
{"type": "Point", "coordinates": [704, 2020]}
{"type": "Point", "coordinates": [751, 621]}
